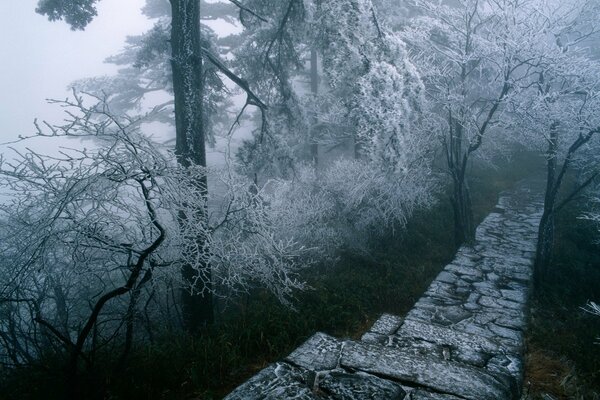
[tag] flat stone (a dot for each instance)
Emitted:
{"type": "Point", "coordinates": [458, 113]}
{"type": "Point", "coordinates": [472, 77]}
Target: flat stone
{"type": "Point", "coordinates": [387, 324]}
{"type": "Point", "coordinates": [517, 296]}
{"type": "Point", "coordinates": [375, 338]}
{"type": "Point", "coordinates": [446, 276]}
{"type": "Point", "coordinates": [440, 315]}
{"type": "Point", "coordinates": [449, 337]}
{"type": "Point", "coordinates": [319, 353]}
{"type": "Point", "coordinates": [453, 315]}
{"type": "Point", "coordinates": [463, 270]}
{"type": "Point", "coordinates": [359, 386]}
{"type": "Point", "coordinates": [435, 301]}
{"type": "Point", "coordinates": [446, 290]}
{"type": "Point", "coordinates": [276, 382]}
{"type": "Point", "coordinates": [442, 352]}
{"type": "Point", "coordinates": [472, 306]}
{"type": "Point", "coordinates": [441, 376]}
{"type": "Point", "coordinates": [498, 303]}
{"type": "Point", "coordinates": [506, 333]}
{"type": "Point", "coordinates": [417, 347]}
{"type": "Point", "coordinates": [487, 289]}
{"type": "Point", "coordinates": [516, 322]}
{"type": "Point", "coordinates": [507, 364]}
{"type": "Point", "coordinates": [462, 340]}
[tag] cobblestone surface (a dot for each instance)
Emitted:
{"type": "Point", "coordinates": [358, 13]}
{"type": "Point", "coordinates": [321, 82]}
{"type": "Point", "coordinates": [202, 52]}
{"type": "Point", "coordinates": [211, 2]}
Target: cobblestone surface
{"type": "Point", "coordinates": [462, 340]}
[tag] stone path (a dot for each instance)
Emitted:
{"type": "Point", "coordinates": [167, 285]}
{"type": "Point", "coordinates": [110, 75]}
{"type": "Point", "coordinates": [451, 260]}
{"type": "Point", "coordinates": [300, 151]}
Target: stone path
{"type": "Point", "coordinates": [462, 340]}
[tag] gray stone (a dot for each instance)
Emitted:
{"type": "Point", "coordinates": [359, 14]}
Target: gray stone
{"type": "Point", "coordinates": [440, 315]}
{"type": "Point", "coordinates": [518, 296]}
{"type": "Point", "coordinates": [387, 324]}
{"type": "Point", "coordinates": [441, 376]}
{"type": "Point", "coordinates": [512, 321]}
{"type": "Point", "coordinates": [446, 276]}
{"type": "Point", "coordinates": [506, 333]}
{"type": "Point", "coordinates": [276, 382]}
{"type": "Point", "coordinates": [375, 338]}
{"type": "Point", "coordinates": [498, 303]}
{"type": "Point", "coordinates": [446, 290]}
{"type": "Point", "coordinates": [464, 270]}
{"type": "Point", "coordinates": [507, 364]}
{"type": "Point", "coordinates": [359, 386]}
{"type": "Point", "coordinates": [435, 301]}
{"type": "Point", "coordinates": [452, 315]}
{"type": "Point", "coordinates": [449, 337]}
{"type": "Point", "coordinates": [442, 352]}
{"type": "Point", "coordinates": [319, 353]}
{"type": "Point", "coordinates": [487, 289]}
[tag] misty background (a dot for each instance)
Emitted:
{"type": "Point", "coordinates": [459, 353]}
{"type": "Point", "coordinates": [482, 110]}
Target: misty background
{"type": "Point", "coordinates": [41, 58]}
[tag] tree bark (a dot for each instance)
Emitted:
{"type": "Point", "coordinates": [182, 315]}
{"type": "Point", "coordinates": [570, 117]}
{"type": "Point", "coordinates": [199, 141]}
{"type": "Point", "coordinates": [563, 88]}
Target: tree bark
{"type": "Point", "coordinates": [186, 63]}
{"type": "Point", "coordinates": [464, 230]}
{"type": "Point", "coordinates": [545, 243]}
{"type": "Point", "coordinates": [314, 88]}
{"type": "Point", "coordinates": [457, 157]}
{"type": "Point", "coordinates": [543, 252]}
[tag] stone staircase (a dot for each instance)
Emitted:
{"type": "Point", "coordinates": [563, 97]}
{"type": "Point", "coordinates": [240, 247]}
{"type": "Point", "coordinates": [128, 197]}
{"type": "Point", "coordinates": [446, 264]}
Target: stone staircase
{"type": "Point", "coordinates": [464, 339]}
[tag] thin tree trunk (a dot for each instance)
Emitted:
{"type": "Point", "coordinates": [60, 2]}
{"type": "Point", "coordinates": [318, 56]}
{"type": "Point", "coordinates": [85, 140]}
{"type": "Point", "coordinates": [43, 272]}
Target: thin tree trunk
{"type": "Point", "coordinates": [545, 243]}
{"type": "Point", "coordinates": [457, 158]}
{"type": "Point", "coordinates": [314, 88]}
{"type": "Point", "coordinates": [190, 148]}
{"type": "Point", "coordinates": [464, 230]}
{"type": "Point", "coordinates": [543, 252]}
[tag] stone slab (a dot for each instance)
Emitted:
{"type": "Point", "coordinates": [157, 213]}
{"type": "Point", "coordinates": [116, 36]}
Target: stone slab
{"type": "Point", "coordinates": [319, 353]}
{"type": "Point", "coordinates": [440, 376]}
{"type": "Point", "coordinates": [276, 382]}
{"type": "Point", "coordinates": [359, 386]}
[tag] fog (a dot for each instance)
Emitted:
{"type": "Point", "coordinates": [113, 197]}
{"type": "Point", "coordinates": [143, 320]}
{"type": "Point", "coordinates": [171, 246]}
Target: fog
{"type": "Point", "coordinates": [41, 58]}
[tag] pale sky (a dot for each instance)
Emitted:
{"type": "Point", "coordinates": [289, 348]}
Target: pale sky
{"type": "Point", "coordinates": [40, 58]}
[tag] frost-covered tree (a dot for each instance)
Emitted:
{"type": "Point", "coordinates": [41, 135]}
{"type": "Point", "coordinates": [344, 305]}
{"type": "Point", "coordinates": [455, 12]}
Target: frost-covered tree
{"type": "Point", "coordinates": [471, 57]}
{"type": "Point", "coordinates": [559, 109]}
{"type": "Point", "coordinates": [108, 229]}
{"type": "Point", "coordinates": [271, 58]}
{"type": "Point", "coordinates": [188, 82]}
{"type": "Point", "coordinates": [368, 70]}
{"type": "Point", "coordinates": [368, 94]}
{"type": "Point", "coordinates": [334, 212]}
{"type": "Point", "coordinates": [187, 72]}
{"type": "Point", "coordinates": [145, 70]}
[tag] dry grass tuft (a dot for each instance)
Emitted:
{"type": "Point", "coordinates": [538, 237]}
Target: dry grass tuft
{"type": "Point", "coordinates": [551, 377]}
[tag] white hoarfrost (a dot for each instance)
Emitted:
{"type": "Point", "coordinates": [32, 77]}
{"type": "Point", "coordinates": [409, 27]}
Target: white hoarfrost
{"type": "Point", "coordinates": [110, 226]}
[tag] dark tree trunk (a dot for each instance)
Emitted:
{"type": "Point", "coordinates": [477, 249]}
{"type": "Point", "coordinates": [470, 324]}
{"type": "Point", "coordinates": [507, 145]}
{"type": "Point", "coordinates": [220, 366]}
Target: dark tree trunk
{"type": "Point", "coordinates": [543, 252]}
{"type": "Point", "coordinates": [457, 157]}
{"type": "Point", "coordinates": [190, 148]}
{"type": "Point", "coordinates": [314, 88]}
{"type": "Point", "coordinates": [464, 230]}
{"type": "Point", "coordinates": [545, 243]}
{"type": "Point", "coordinates": [554, 178]}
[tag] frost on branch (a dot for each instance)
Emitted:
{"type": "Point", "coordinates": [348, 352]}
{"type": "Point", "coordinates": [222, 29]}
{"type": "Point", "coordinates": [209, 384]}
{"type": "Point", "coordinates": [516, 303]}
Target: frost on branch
{"type": "Point", "coordinates": [94, 237]}
{"type": "Point", "coordinates": [349, 204]}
